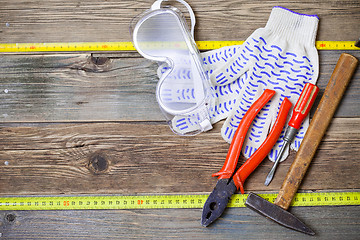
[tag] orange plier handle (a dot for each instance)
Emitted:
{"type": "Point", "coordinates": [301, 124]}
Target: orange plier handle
{"type": "Point", "coordinates": [239, 137]}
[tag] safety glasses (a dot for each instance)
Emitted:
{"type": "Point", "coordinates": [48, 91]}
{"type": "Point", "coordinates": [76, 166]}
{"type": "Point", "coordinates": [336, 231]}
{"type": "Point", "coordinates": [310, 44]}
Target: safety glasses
{"type": "Point", "coordinates": [183, 91]}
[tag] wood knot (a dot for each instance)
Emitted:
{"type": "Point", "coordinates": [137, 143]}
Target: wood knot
{"type": "Point", "coordinates": [10, 217]}
{"type": "Point", "coordinates": [98, 163]}
{"type": "Point", "coordinates": [95, 64]}
{"type": "Point", "coordinates": [99, 60]}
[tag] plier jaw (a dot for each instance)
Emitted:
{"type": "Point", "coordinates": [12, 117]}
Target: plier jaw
{"type": "Point", "coordinates": [229, 182]}
{"type": "Point", "coordinates": [217, 201]}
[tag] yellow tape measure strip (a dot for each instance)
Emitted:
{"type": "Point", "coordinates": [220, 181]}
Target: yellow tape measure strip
{"type": "Point", "coordinates": [128, 46]}
{"type": "Point", "coordinates": [163, 201]}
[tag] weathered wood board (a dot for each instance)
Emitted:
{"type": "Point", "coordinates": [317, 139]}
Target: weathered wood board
{"type": "Point", "coordinates": [109, 20]}
{"type": "Point", "coordinates": [238, 223]}
{"type": "Point", "coordinates": [75, 124]}
{"type": "Point", "coordinates": [149, 158]}
{"type": "Point", "coordinates": [71, 87]}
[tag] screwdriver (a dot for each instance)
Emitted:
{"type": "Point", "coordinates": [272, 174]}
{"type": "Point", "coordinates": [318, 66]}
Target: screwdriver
{"type": "Point", "coordinates": [301, 110]}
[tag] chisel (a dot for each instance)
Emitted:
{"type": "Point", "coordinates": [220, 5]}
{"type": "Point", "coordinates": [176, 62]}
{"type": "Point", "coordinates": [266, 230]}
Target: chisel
{"type": "Point", "coordinates": [300, 111]}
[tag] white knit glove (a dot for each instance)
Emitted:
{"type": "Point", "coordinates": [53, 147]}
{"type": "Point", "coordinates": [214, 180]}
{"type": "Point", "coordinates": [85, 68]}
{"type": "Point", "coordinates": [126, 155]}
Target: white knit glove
{"type": "Point", "coordinates": [282, 56]}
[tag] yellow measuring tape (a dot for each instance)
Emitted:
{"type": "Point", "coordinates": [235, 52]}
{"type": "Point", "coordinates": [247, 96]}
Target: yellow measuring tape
{"type": "Point", "coordinates": [164, 201]}
{"type": "Point", "coordinates": [128, 46]}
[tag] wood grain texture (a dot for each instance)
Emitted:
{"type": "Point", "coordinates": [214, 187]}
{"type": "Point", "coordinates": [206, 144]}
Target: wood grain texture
{"type": "Point", "coordinates": [128, 158]}
{"type": "Point", "coordinates": [72, 87]}
{"type": "Point", "coordinates": [75, 124]}
{"type": "Point", "coordinates": [98, 20]}
{"type": "Point", "coordinates": [237, 223]}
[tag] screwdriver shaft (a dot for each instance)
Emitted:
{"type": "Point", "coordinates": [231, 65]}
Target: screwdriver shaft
{"type": "Point", "coordinates": [272, 171]}
{"type": "Point", "coordinates": [300, 111]}
{"type": "Point", "coordinates": [289, 136]}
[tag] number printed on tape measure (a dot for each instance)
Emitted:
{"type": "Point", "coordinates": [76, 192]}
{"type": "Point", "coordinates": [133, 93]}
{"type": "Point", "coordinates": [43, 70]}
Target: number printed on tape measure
{"type": "Point", "coordinates": [128, 46]}
{"type": "Point", "coordinates": [322, 199]}
{"type": "Point", "coordinates": [102, 202]}
{"type": "Point", "coordinates": [164, 201]}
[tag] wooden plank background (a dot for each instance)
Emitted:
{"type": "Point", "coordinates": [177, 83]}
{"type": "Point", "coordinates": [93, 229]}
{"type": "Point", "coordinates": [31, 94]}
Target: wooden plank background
{"type": "Point", "coordinates": [72, 87]}
{"type": "Point", "coordinates": [97, 20]}
{"type": "Point", "coordinates": [85, 123]}
{"type": "Point", "coordinates": [141, 159]}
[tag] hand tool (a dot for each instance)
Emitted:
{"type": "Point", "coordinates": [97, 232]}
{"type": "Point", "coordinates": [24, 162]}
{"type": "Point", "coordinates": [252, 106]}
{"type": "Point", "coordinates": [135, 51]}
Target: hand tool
{"type": "Point", "coordinates": [229, 183]}
{"type": "Point", "coordinates": [300, 111]}
{"type": "Point", "coordinates": [334, 91]}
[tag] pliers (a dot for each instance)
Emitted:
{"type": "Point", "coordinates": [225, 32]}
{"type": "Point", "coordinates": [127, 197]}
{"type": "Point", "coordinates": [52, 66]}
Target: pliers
{"type": "Point", "coordinates": [228, 182]}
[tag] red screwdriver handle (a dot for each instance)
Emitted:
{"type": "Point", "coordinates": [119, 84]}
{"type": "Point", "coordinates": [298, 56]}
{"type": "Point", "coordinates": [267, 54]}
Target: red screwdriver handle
{"type": "Point", "coordinates": [303, 105]}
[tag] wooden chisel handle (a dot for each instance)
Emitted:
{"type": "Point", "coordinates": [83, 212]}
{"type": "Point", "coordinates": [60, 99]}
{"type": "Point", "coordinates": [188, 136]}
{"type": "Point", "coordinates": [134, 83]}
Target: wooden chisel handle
{"type": "Point", "coordinates": [331, 98]}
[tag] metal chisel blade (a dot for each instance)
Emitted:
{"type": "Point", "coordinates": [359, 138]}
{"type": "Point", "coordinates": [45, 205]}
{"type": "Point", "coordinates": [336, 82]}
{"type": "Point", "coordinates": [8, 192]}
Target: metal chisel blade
{"type": "Point", "coordinates": [276, 214]}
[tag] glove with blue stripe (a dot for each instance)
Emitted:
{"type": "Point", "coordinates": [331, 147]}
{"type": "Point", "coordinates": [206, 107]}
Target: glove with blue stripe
{"type": "Point", "coordinates": [282, 56]}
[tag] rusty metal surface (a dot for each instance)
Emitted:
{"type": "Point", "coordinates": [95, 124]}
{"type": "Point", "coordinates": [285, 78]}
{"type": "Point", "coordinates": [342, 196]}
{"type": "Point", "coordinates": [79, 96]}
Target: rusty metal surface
{"type": "Point", "coordinates": [276, 214]}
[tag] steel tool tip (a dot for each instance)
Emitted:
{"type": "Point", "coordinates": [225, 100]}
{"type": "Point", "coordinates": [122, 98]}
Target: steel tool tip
{"type": "Point", "coordinates": [217, 201]}
{"type": "Point", "coordinates": [268, 179]}
{"type": "Point", "coordinates": [276, 214]}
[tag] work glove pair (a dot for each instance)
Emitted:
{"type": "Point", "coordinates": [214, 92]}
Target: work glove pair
{"type": "Point", "coordinates": [281, 56]}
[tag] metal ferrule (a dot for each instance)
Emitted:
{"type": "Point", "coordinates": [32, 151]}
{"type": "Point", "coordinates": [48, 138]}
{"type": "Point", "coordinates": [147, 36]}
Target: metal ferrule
{"type": "Point", "coordinates": [290, 134]}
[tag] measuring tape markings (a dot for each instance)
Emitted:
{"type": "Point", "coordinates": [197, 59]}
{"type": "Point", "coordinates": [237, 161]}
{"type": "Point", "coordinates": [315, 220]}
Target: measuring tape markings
{"type": "Point", "coordinates": [164, 201]}
{"type": "Point", "coordinates": [128, 46]}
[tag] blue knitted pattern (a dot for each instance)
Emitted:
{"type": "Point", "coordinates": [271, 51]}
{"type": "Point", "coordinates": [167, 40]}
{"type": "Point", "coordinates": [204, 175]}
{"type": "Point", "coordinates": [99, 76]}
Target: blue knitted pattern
{"type": "Point", "coordinates": [250, 68]}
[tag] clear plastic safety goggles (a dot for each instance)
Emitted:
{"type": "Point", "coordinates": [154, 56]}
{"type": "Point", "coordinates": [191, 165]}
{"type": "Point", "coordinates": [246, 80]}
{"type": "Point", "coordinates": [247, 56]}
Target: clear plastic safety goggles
{"type": "Point", "coordinates": [183, 91]}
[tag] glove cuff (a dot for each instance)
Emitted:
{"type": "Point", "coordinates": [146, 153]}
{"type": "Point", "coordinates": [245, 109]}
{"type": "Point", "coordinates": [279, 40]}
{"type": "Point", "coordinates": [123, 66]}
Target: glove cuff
{"type": "Point", "coordinates": [293, 26]}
